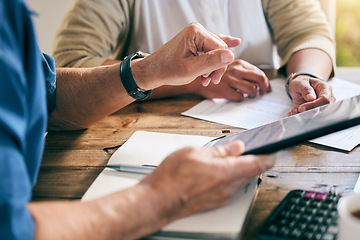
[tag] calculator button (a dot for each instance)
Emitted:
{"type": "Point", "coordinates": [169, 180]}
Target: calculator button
{"type": "Point", "coordinates": [284, 231]}
{"type": "Point", "coordinates": [295, 233]}
{"type": "Point", "coordinates": [318, 236]}
{"type": "Point", "coordinates": [302, 225]}
{"type": "Point", "coordinates": [321, 196]}
{"type": "Point", "coordinates": [273, 228]}
{"type": "Point", "coordinates": [333, 229]}
{"type": "Point", "coordinates": [328, 221]}
{"type": "Point", "coordinates": [328, 237]}
{"type": "Point", "coordinates": [308, 235]}
{"type": "Point", "coordinates": [310, 194]}
{"type": "Point", "coordinates": [318, 219]}
{"type": "Point", "coordinates": [283, 221]}
{"type": "Point", "coordinates": [322, 229]}
{"type": "Point", "coordinates": [302, 215]}
{"type": "Point", "coordinates": [313, 227]}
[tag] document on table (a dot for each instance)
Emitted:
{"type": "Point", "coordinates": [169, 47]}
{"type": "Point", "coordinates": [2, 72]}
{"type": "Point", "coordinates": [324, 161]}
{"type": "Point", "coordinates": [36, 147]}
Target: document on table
{"type": "Point", "coordinates": [150, 148]}
{"type": "Point", "coordinates": [273, 106]}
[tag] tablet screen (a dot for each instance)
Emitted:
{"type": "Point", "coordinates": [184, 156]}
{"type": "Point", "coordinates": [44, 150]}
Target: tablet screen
{"type": "Point", "coordinates": [298, 128]}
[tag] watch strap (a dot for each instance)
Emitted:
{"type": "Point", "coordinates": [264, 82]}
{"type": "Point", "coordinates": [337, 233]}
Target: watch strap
{"type": "Point", "coordinates": [127, 78]}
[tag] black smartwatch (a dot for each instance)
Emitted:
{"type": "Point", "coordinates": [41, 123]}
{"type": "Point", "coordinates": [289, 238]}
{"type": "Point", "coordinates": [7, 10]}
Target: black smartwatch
{"type": "Point", "coordinates": [127, 78]}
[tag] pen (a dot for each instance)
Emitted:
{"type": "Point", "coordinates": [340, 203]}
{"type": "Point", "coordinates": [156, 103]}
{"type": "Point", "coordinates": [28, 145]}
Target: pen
{"type": "Point", "coordinates": [143, 169]}
{"type": "Point", "coordinates": [213, 140]}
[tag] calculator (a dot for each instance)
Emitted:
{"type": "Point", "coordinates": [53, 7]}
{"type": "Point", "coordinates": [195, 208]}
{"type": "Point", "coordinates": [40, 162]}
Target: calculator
{"type": "Point", "coordinates": [302, 215]}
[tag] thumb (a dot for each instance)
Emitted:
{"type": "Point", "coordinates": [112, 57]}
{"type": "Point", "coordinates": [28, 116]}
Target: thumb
{"type": "Point", "coordinates": [307, 91]}
{"type": "Point", "coordinates": [211, 61]}
{"type": "Point", "coordinates": [234, 148]}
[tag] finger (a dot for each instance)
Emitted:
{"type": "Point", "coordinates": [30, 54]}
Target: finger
{"type": "Point", "coordinates": [217, 74]}
{"type": "Point", "coordinates": [314, 104]}
{"type": "Point", "coordinates": [325, 96]}
{"type": "Point", "coordinates": [230, 41]}
{"type": "Point", "coordinates": [205, 81]}
{"type": "Point", "coordinates": [293, 111]}
{"type": "Point", "coordinates": [210, 61]}
{"type": "Point", "coordinates": [256, 76]}
{"type": "Point", "coordinates": [234, 148]}
{"type": "Point", "coordinates": [323, 89]}
{"type": "Point", "coordinates": [234, 95]}
{"type": "Point", "coordinates": [249, 88]}
{"type": "Point", "coordinates": [206, 75]}
{"type": "Point", "coordinates": [250, 166]}
{"type": "Point", "coordinates": [204, 40]}
{"type": "Point", "coordinates": [225, 90]}
{"type": "Point", "coordinates": [306, 90]}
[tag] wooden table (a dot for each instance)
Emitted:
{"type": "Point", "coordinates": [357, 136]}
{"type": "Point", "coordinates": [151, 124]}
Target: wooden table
{"type": "Point", "coordinates": [72, 160]}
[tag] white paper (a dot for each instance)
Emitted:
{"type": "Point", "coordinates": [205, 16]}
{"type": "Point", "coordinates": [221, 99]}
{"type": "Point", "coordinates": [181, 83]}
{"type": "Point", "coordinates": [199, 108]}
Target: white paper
{"type": "Point", "coordinates": [151, 148]}
{"type": "Point", "coordinates": [357, 186]}
{"type": "Point", "coordinates": [250, 113]}
{"type": "Point", "coordinates": [346, 139]}
{"type": "Point", "coordinates": [272, 107]}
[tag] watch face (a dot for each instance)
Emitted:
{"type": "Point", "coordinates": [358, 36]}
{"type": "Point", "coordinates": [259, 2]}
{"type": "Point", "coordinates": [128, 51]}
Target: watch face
{"type": "Point", "coordinates": [141, 54]}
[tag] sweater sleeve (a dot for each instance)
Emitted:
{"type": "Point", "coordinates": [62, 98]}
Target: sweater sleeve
{"type": "Point", "coordinates": [90, 31]}
{"type": "Point", "coordinates": [298, 25]}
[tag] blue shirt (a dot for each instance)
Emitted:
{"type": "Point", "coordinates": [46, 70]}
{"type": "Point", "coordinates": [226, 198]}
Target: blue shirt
{"type": "Point", "coordinates": [27, 85]}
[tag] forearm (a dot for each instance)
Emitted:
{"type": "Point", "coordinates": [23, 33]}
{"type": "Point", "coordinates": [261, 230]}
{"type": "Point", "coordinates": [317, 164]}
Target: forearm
{"type": "Point", "coordinates": [122, 215]}
{"type": "Point", "coordinates": [85, 96]}
{"type": "Point", "coordinates": [310, 60]}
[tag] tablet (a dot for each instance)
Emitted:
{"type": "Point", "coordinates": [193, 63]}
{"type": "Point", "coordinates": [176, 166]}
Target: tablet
{"type": "Point", "coordinates": [298, 128]}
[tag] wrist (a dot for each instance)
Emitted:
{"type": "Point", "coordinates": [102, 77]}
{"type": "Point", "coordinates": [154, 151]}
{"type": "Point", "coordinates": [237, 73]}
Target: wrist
{"type": "Point", "coordinates": [132, 82]}
{"type": "Point", "coordinates": [140, 74]}
{"type": "Point", "coordinates": [145, 72]}
{"type": "Point", "coordinates": [193, 87]}
{"type": "Point", "coordinates": [164, 202]}
{"type": "Point", "coordinates": [293, 76]}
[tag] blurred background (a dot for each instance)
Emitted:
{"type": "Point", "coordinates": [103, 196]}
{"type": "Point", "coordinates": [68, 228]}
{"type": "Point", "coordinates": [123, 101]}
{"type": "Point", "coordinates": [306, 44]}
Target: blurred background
{"type": "Point", "coordinates": [343, 16]}
{"type": "Point", "coordinates": [348, 33]}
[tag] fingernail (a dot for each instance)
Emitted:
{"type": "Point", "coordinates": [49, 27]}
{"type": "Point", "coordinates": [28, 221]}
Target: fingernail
{"type": "Point", "coordinates": [226, 57]}
{"type": "Point", "coordinates": [206, 81]}
{"type": "Point", "coordinates": [302, 109]}
{"type": "Point", "coordinates": [234, 148]}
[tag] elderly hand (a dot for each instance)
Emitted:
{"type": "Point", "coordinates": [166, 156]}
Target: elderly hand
{"type": "Point", "coordinates": [240, 80]}
{"type": "Point", "coordinates": [192, 53]}
{"type": "Point", "coordinates": [192, 180]}
{"type": "Point", "coordinates": [308, 93]}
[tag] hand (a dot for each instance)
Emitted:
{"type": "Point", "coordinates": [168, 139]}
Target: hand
{"type": "Point", "coordinates": [240, 80]}
{"type": "Point", "coordinates": [192, 53]}
{"type": "Point", "coordinates": [198, 179]}
{"type": "Point", "coordinates": [308, 93]}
